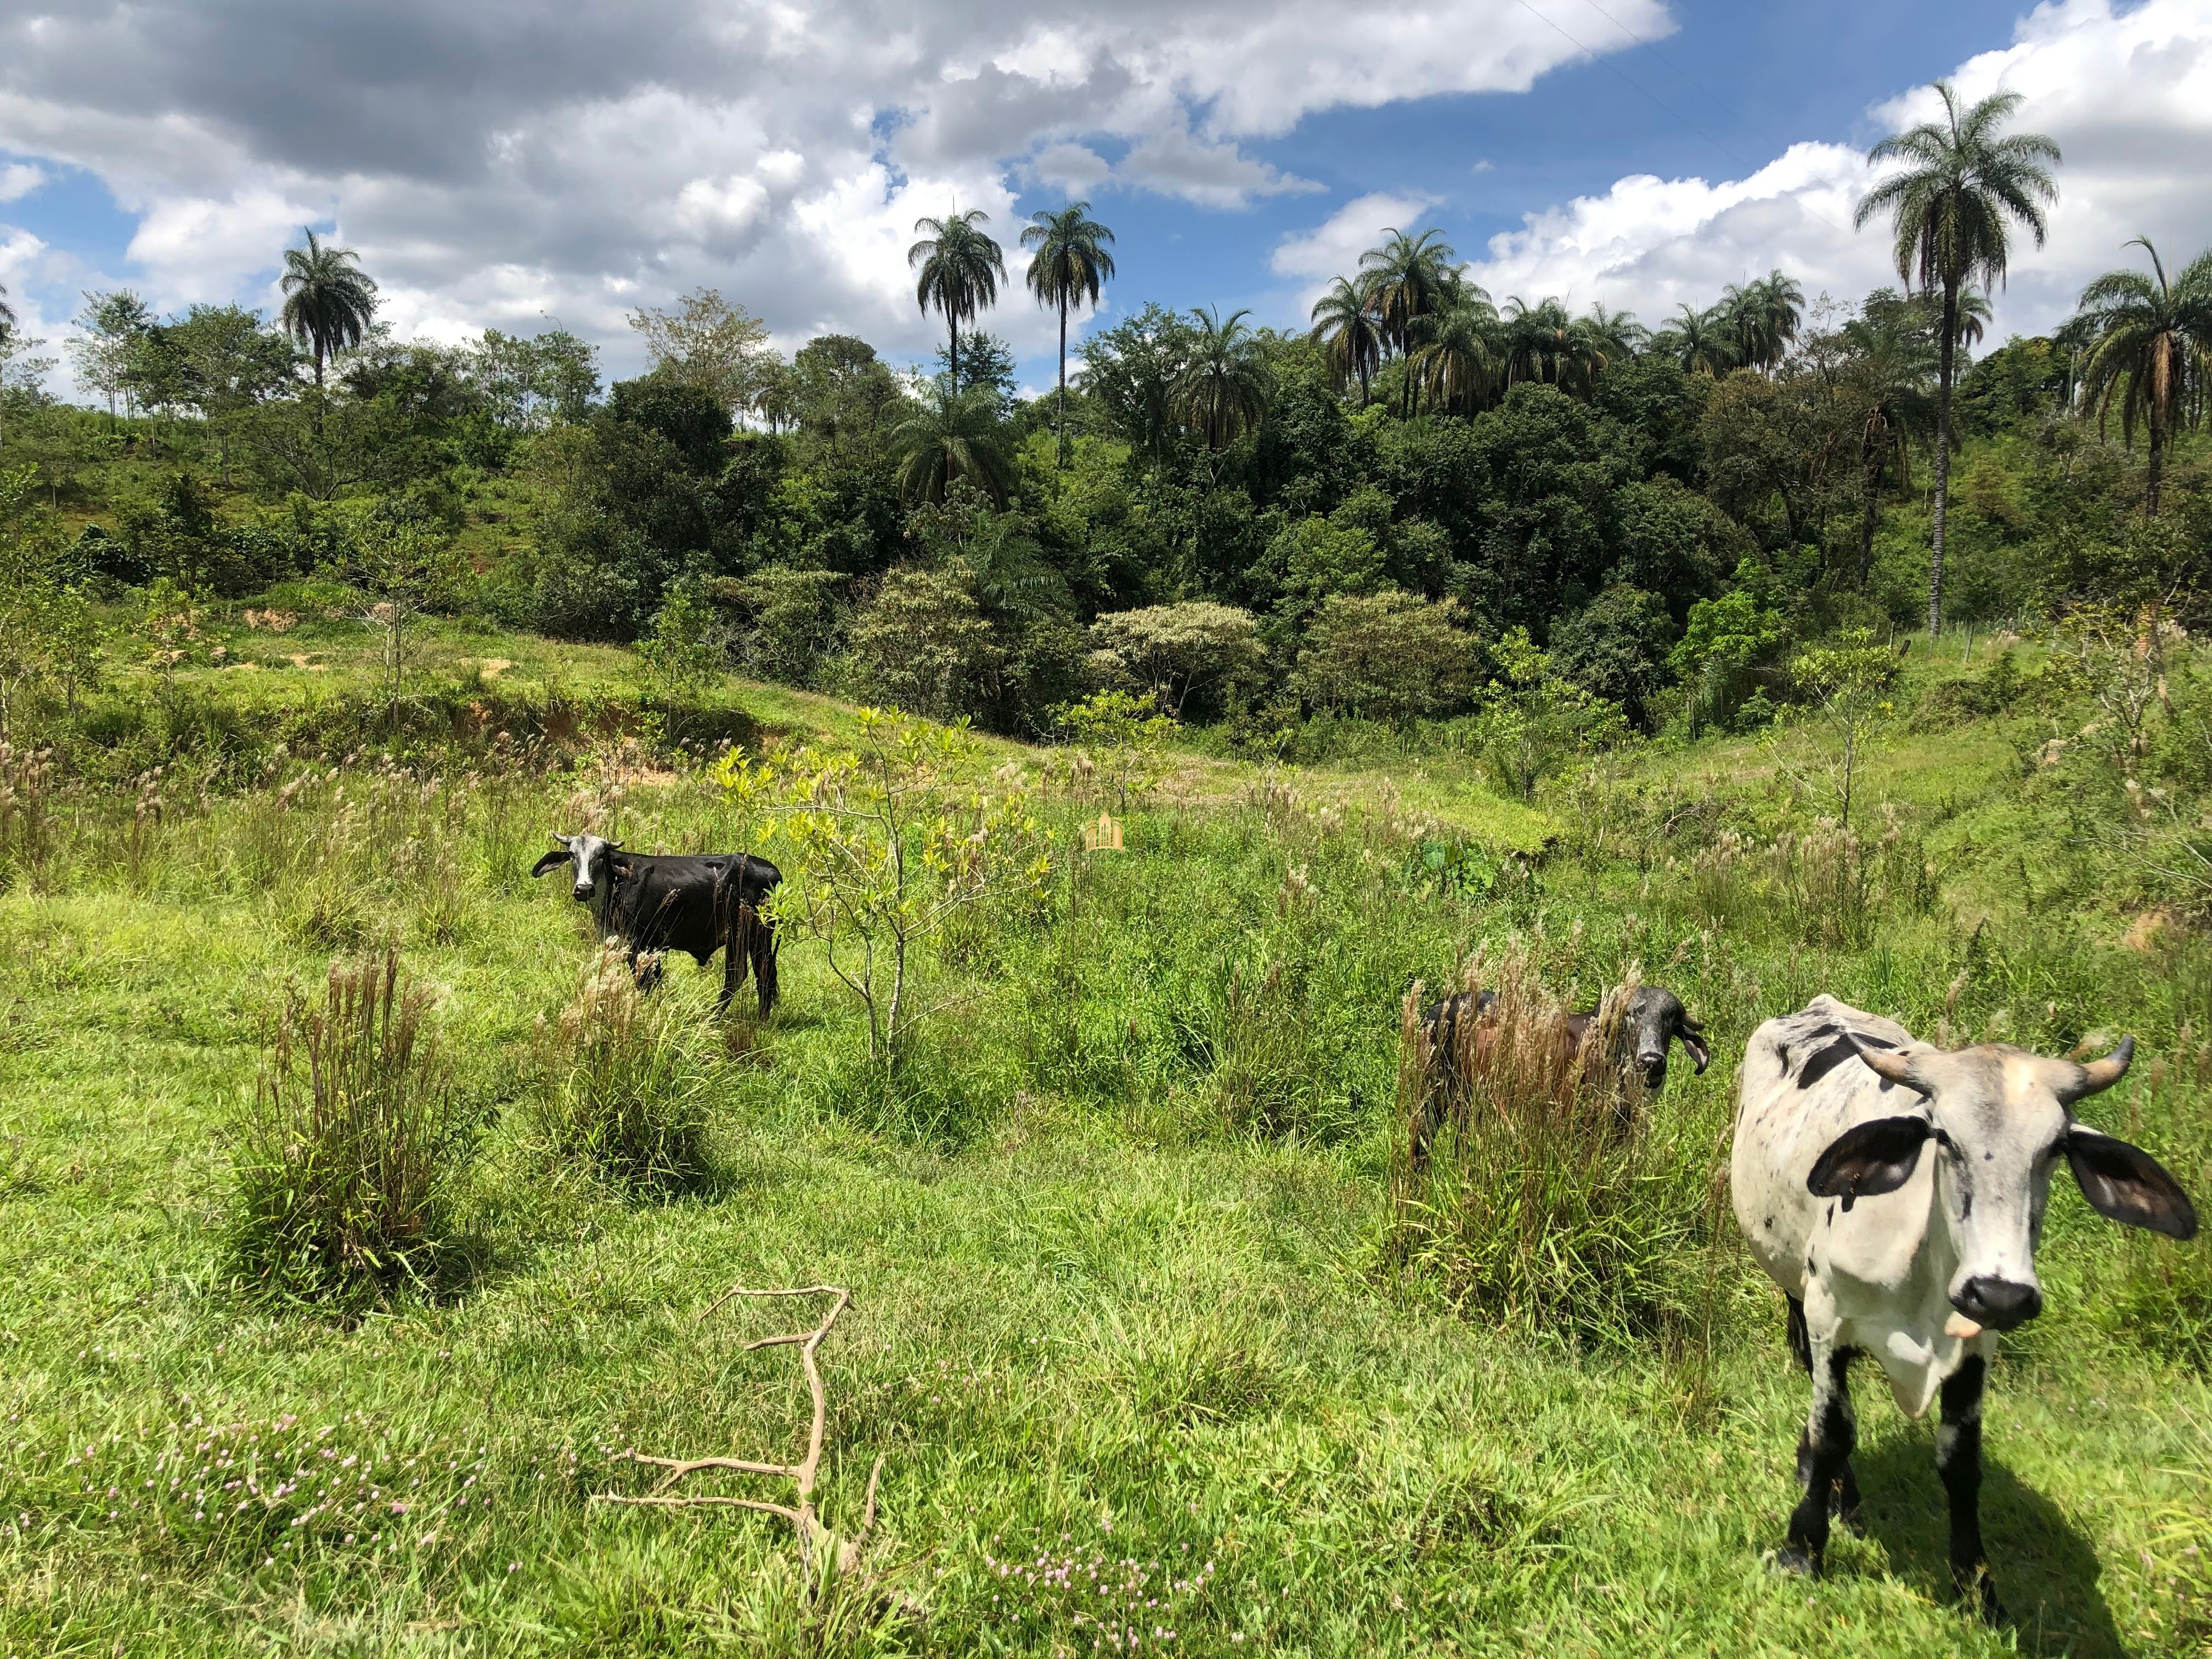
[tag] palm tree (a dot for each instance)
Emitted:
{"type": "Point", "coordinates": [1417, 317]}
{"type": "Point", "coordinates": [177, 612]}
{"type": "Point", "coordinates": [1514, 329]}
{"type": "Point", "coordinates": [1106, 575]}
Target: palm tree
{"type": "Point", "coordinates": [961, 269]}
{"type": "Point", "coordinates": [1069, 264]}
{"type": "Point", "coordinates": [1544, 344]}
{"type": "Point", "coordinates": [2151, 348]}
{"type": "Point", "coordinates": [1962, 183]}
{"type": "Point", "coordinates": [1459, 364]}
{"type": "Point", "coordinates": [1349, 332]}
{"type": "Point", "coordinates": [1892, 366]}
{"type": "Point", "coordinates": [1616, 332]}
{"type": "Point", "coordinates": [1222, 393]}
{"type": "Point", "coordinates": [1974, 315]}
{"type": "Point", "coordinates": [1699, 340]}
{"type": "Point", "coordinates": [1409, 279]}
{"type": "Point", "coordinates": [1764, 316]}
{"type": "Point", "coordinates": [953, 435]}
{"type": "Point", "coordinates": [329, 299]}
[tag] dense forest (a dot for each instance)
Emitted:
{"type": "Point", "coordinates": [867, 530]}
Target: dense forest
{"type": "Point", "coordinates": [1430, 508]}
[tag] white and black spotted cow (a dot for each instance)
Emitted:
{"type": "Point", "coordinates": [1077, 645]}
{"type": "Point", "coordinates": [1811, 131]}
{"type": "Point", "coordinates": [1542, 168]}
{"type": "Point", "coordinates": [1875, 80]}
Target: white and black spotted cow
{"type": "Point", "coordinates": [1915, 1255]}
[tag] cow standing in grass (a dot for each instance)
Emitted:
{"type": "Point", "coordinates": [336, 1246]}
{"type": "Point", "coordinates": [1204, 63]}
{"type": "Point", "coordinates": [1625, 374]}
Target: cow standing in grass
{"type": "Point", "coordinates": [697, 902]}
{"type": "Point", "coordinates": [1895, 1192]}
{"type": "Point", "coordinates": [1464, 1035]}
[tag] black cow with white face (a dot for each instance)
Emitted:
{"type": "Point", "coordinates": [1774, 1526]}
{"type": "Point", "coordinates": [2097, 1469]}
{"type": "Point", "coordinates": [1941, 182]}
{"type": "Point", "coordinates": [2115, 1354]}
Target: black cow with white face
{"type": "Point", "coordinates": [697, 902]}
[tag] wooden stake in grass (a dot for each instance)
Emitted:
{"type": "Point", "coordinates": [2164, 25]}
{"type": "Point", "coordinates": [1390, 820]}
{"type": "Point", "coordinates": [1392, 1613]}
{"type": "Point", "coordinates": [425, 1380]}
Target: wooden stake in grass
{"type": "Point", "coordinates": [801, 1513]}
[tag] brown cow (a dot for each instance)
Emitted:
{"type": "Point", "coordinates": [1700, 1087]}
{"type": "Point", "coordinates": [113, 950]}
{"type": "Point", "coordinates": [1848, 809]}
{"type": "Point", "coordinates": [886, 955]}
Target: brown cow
{"type": "Point", "coordinates": [1653, 1021]}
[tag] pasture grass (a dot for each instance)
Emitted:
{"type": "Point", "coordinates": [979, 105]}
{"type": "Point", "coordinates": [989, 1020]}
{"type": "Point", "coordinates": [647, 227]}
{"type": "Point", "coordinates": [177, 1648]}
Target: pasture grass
{"type": "Point", "coordinates": [1125, 1332]}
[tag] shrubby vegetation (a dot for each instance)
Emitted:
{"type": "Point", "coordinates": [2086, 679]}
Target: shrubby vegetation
{"type": "Point", "coordinates": [1259, 528]}
{"type": "Point", "coordinates": [1450, 642]}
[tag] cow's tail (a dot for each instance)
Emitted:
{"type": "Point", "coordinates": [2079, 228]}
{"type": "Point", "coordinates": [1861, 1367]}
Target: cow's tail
{"type": "Point", "coordinates": [737, 948]}
{"type": "Point", "coordinates": [1800, 1338]}
{"type": "Point", "coordinates": [763, 950]}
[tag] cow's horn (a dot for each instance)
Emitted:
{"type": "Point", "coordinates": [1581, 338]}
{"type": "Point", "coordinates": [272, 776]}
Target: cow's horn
{"type": "Point", "coordinates": [1884, 1063]}
{"type": "Point", "coordinates": [2100, 1075]}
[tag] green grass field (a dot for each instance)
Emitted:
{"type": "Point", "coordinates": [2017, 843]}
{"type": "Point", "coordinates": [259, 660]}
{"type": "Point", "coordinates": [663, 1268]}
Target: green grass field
{"type": "Point", "coordinates": [1123, 1334]}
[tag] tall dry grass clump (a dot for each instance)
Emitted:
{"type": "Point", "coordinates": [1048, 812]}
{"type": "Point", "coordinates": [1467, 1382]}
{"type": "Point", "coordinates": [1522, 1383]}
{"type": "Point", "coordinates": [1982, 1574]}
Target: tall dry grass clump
{"type": "Point", "coordinates": [621, 1088]}
{"type": "Point", "coordinates": [1823, 884]}
{"type": "Point", "coordinates": [27, 815]}
{"type": "Point", "coordinates": [347, 1157]}
{"type": "Point", "coordinates": [1529, 1188]}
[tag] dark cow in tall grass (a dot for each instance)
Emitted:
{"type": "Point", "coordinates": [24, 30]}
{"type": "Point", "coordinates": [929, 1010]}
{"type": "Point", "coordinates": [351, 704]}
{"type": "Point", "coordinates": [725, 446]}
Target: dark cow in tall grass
{"type": "Point", "coordinates": [697, 902]}
{"type": "Point", "coordinates": [1895, 1192]}
{"type": "Point", "coordinates": [1465, 1024]}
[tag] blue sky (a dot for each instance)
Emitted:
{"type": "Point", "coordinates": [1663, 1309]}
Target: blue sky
{"type": "Point", "coordinates": [520, 161]}
{"type": "Point", "coordinates": [1732, 87]}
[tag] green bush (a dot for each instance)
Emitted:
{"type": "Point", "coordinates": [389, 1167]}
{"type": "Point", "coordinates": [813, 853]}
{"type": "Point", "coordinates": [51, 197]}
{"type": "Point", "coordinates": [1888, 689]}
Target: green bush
{"type": "Point", "coordinates": [1530, 1194]}
{"type": "Point", "coordinates": [622, 1086]}
{"type": "Point", "coordinates": [346, 1162]}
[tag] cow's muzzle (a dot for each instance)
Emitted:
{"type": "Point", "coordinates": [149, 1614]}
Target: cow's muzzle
{"type": "Point", "coordinates": [1999, 1304]}
{"type": "Point", "coordinates": [1654, 1067]}
{"type": "Point", "coordinates": [583, 891]}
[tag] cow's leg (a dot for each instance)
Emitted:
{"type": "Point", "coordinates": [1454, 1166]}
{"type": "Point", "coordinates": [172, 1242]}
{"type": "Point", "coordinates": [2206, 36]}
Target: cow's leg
{"type": "Point", "coordinates": [1422, 1130]}
{"type": "Point", "coordinates": [1959, 1460]}
{"type": "Point", "coordinates": [1823, 1454]}
{"type": "Point", "coordinates": [1846, 1506]}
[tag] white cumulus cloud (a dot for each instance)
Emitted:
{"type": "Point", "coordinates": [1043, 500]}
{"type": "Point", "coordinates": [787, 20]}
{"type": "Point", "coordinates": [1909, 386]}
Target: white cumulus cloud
{"type": "Point", "coordinates": [495, 162]}
{"type": "Point", "coordinates": [2127, 95]}
{"type": "Point", "coordinates": [1332, 247]}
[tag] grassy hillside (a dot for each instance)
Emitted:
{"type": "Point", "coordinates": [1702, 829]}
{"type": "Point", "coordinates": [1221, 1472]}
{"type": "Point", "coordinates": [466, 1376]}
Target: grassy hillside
{"type": "Point", "coordinates": [1126, 1333]}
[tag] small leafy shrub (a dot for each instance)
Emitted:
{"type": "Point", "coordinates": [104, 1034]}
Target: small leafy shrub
{"type": "Point", "coordinates": [621, 1088]}
{"type": "Point", "coordinates": [1544, 1201]}
{"type": "Point", "coordinates": [347, 1158]}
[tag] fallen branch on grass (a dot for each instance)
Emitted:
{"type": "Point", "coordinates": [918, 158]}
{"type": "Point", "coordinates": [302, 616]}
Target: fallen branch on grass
{"type": "Point", "coordinates": [801, 1513]}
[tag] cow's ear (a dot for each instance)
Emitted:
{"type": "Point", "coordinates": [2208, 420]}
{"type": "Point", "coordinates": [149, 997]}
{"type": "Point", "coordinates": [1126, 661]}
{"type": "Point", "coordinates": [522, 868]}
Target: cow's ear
{"type": "Point", "coordinates": [1869, 1160]}
{"type": "Point", "coordinates": [551, 861]}
{"type": "Point", "coordinates": [2126, 1184]}
{"type": "Point", "coordinates": [1693, 1043]}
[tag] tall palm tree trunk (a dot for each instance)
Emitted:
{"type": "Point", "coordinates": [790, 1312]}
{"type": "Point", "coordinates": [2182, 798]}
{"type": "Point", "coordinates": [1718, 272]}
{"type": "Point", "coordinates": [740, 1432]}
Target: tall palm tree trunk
{"type": "Point", "coordinates": [2157, 464]}
{"type": "Point", "coordinates": [952, 352]}
{"type": "Point", "coordinates": [1869, 513]}
{"type": "Point", "coordinates": [1943, 455]}
{"type": "Point", "coordinates": [1062, 415]}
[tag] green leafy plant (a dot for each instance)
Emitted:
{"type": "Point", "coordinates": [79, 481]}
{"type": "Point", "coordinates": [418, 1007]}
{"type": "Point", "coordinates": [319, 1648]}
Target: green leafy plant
{"type": "Point", "coordinates": [1534, 723]}
{"type": "Point", "coordinates": [1850, 678]}
{"type": "Point", "coordinates": [1123, 737]}
{"type": "Point", "coordinates": [881, 845]}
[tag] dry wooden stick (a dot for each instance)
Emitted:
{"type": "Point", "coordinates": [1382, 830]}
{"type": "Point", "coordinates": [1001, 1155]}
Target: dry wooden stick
{"type": "Point", "coordinates": [805, 1521]}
